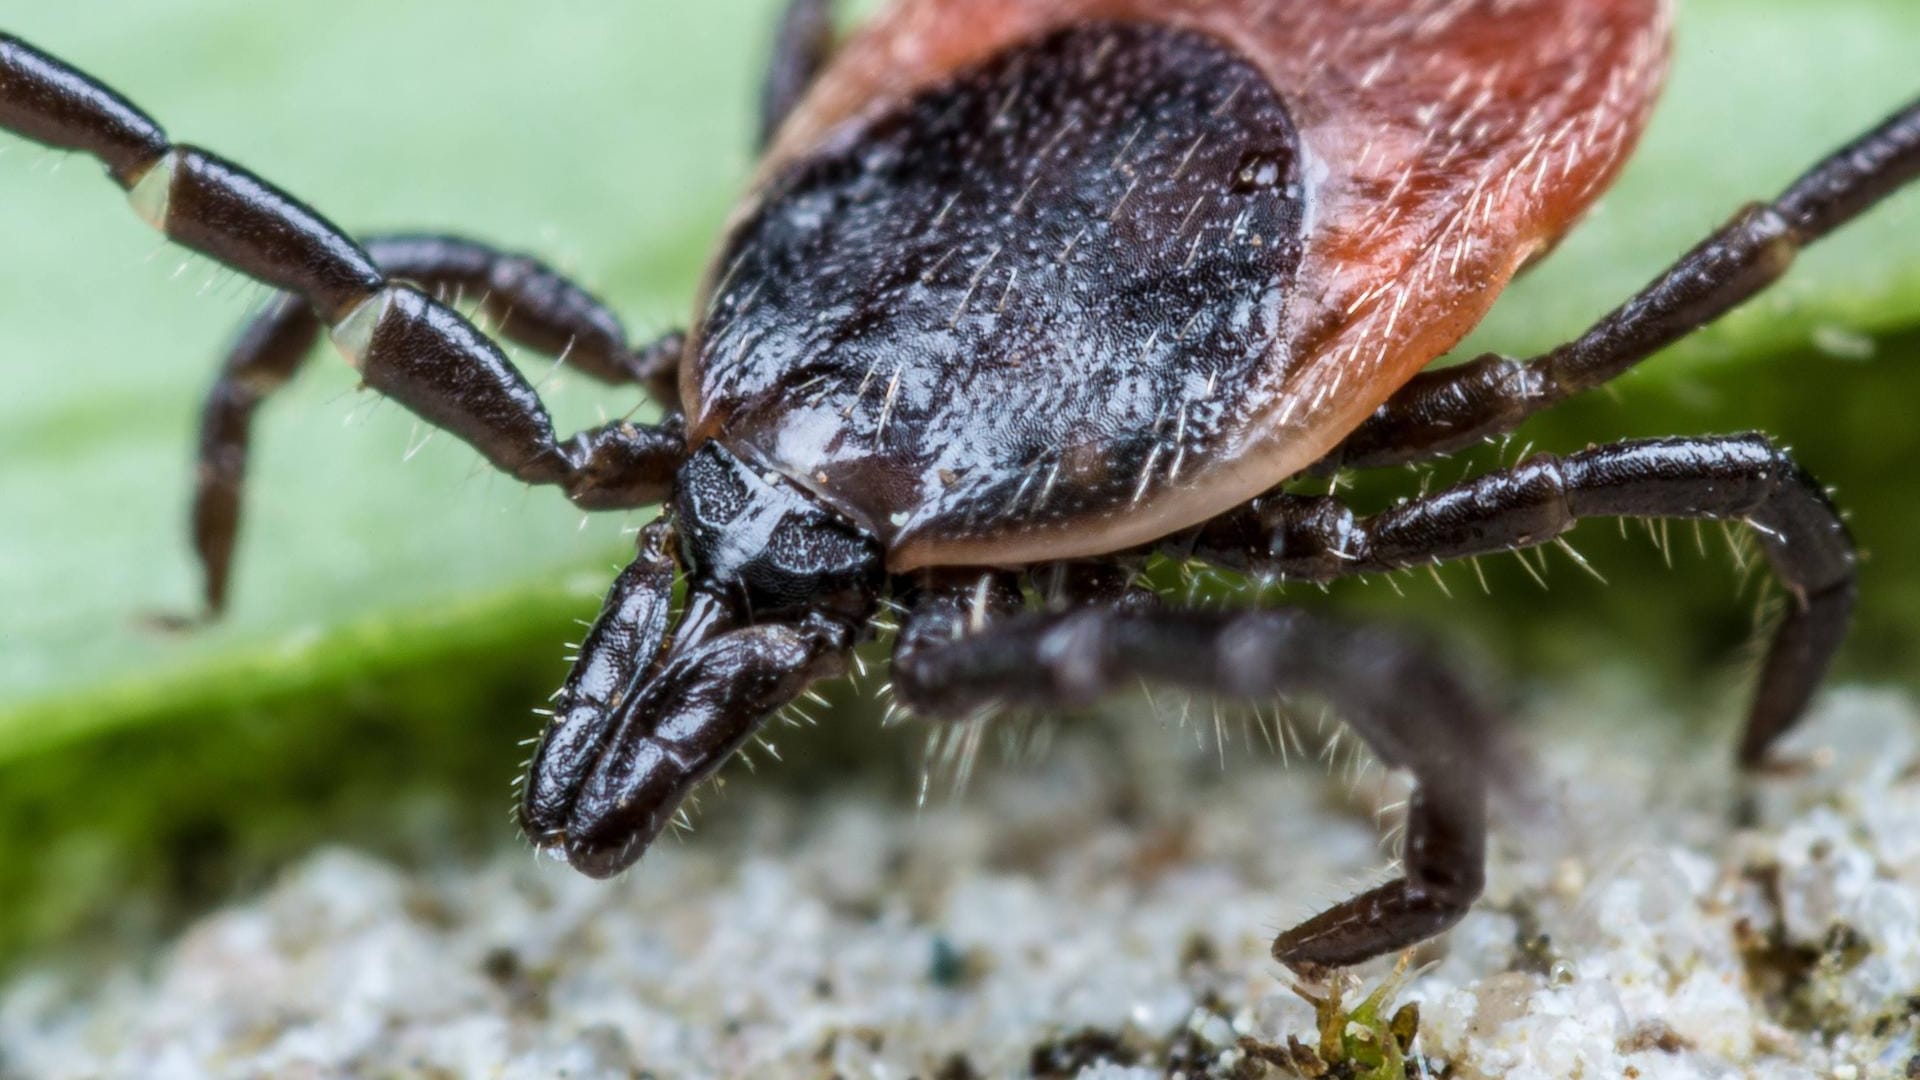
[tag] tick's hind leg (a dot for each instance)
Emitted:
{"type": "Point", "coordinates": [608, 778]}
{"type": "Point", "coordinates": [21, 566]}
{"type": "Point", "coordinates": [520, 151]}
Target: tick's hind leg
{"type": "Point", "coordinates": [1445, 410]}
{"type": "Point", "coordinates": [407, 345]}
{"type": "Point", "coordinates": [801, 49]}
{"type": "Point", "coordinates": [1741, 478]}
{"type": "Point", "coordinates": [967, 647]}
{"type": "Point", "coordinates": [529, 303]}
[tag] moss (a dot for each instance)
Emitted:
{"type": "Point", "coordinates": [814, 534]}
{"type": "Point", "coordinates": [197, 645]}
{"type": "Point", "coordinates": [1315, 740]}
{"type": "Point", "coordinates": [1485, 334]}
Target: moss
{"type": "Point", "coordinates": [1372, 1040]}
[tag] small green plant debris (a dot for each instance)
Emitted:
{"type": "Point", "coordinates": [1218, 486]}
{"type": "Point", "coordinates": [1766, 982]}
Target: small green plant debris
{"type": "Point", "coordinates": [1371, 1041]}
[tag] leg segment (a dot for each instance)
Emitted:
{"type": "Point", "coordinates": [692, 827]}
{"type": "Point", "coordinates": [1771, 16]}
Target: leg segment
{"type": "Point", "coordinates": [1742, 478]}
{"type": "Point", "coordinates": [956, 657]}
{"type": "Point", "coordinates": [943, 609]}
{"type": "Point", "coordinates": [801, 50]}
{"type": "Point", "coordinates": [535, 305]}
{"type": "Point", "coordinates": [529, 302]}
{"type": "Point", "coordinates": [1445, 410]}
{"type": "Point", "coordinates": [406, 345]}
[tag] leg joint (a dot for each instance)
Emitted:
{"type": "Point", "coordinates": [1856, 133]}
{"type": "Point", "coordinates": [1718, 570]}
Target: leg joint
{"type": "Point", "coordinates": [1312, 538]}
{"type": "Point", "coordinates": [621, 465]}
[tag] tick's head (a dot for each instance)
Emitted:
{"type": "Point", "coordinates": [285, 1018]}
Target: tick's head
{"type": "Point", "coordinates": [682, 721]}
{"type": "Point", "coordinates": [765, 548]}
{"type": "Point", "coordinates": [778, 588]}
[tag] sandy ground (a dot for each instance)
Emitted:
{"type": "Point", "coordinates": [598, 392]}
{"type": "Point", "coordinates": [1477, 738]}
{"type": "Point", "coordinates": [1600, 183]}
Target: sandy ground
{"type": "Point", "coordinates": [1102, 911]}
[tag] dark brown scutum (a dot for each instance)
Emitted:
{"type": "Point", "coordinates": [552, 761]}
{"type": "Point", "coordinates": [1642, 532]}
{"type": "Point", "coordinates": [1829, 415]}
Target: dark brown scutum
{"type": "Point", "coordinates": [1022, 297]}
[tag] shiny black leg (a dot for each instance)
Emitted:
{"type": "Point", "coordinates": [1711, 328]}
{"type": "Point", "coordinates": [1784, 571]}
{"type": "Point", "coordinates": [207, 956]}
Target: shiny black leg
{"type": "Point", "coordinates": [944, 608]}
{"type": "Point", "coordinates": [967, 646]}
{"type": "Point", "coordinates": [529, 303]}
{"type": "Point", "coordinates": [1741, 478]}
{"type": "Point", "coordinates": [406, 344]}
{"type": "Point", "coordinates": [1448, 409]}
{"type": "Point", "coordinates": [801, 49]}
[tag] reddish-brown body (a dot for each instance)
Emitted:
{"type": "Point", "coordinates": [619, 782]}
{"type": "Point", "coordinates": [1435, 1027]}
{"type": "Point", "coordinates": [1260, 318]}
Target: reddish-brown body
{"type": "Point", "coordinates": [1446, 143]}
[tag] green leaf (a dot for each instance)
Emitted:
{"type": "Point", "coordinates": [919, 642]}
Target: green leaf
{"type": "Point", "coordinates": [391, 578]}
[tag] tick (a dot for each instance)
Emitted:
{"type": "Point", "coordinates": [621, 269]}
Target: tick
{"type": "Point", "coordinates": [1022, 293]}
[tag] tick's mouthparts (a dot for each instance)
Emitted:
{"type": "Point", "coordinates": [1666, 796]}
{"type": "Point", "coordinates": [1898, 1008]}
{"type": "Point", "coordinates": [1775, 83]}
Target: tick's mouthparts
{"type": "Point", "coordinates": [681, 727]}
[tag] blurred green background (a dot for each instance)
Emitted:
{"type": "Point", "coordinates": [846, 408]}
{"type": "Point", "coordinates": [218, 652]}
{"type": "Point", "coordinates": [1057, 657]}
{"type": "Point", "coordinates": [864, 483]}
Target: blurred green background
{"type": "Point", "coordinates": [397, 614]}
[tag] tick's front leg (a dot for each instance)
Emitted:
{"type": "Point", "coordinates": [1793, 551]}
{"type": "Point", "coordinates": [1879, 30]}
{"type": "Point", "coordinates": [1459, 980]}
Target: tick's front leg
{"type": "Point", "coordinates": [528, 301]}
{"type": "Point", "coordinates": [405, 344]}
